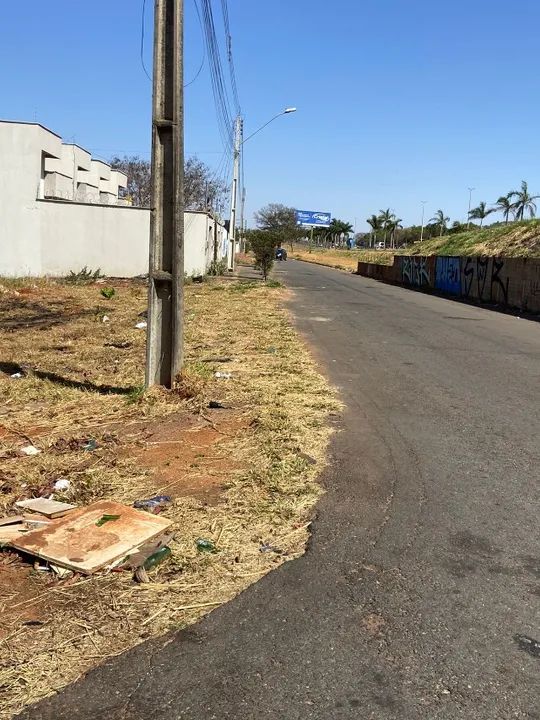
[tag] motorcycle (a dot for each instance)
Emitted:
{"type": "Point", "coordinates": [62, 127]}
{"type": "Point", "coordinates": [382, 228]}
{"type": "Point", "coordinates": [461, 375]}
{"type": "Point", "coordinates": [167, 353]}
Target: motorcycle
{"type": "Point", "coordinates": [281, 254]}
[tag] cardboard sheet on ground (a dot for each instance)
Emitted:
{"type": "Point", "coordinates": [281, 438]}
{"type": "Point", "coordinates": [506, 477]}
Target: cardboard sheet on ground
{"type": "Point", "coordinates": [78, 543]}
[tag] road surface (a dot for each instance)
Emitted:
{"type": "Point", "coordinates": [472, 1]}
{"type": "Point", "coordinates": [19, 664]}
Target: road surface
{"type": "Point", "coordinates": [421, 584]}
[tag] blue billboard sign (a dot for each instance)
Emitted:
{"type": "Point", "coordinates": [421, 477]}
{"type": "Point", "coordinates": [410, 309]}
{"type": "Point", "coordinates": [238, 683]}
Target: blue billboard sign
{"type": "Point", "coordinates": [313, 218]}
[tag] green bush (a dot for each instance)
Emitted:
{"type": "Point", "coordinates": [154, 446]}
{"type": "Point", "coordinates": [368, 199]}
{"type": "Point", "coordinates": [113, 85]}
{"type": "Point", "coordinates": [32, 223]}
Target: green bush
{"type": "Point", "coordinates": [263, 244]}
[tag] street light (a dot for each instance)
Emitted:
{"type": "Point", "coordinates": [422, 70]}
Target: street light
{"type": "Point", "coordinates": [287, 111]}
{"type": "Point", "coordinates": [238, 144]}
{"type": "Point", "coordinates": [469, 213]}
{"type": "Point", "coordinates": [423, 209]}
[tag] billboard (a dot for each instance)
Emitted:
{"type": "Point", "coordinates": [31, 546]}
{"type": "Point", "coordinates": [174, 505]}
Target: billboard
{"type": "Point", "coordinates": [313, 218]}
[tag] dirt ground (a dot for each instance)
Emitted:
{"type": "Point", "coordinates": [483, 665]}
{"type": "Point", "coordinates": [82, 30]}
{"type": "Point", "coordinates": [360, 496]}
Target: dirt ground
{"type": "Point", "coordinates": [242, 476]}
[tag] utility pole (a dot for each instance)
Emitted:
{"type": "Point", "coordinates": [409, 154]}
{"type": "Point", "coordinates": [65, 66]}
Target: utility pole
{"type": "Point", "coordinates": [469, 211]}
{"type": "Point", "coordinates": [164, 346]}
{"type": "Point", "coordinates": [242, 208]}
{"type": "Point", "coordinates": [423, 210]}
{"type": "Point", "coordinates": [234, 188]}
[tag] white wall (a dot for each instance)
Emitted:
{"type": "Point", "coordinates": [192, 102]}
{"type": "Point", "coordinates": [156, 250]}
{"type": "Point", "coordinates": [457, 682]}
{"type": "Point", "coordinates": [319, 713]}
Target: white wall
{"type": "Point", "coordinates": [110, 237]}
{"type": "Point", "coordinates": [50, 237]}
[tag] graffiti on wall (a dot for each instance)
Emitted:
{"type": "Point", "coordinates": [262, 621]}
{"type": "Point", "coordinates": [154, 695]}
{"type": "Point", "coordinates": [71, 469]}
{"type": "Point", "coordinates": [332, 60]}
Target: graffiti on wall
{"type": "Point", "coordinates": [512, 282]}
{"type": "Point", "coordinates": [484, 279]}
{"type": "Point", "coordinates": [415, 271]}
{"type": "Point", "coordinates": [448, 275]}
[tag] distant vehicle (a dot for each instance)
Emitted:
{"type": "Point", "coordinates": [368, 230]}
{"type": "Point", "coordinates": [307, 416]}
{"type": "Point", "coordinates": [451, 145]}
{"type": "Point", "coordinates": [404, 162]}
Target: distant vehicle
{"type": "Point", "coordinates": [281, 253]}
{"type": "Point", "coordinates": [379, 246]}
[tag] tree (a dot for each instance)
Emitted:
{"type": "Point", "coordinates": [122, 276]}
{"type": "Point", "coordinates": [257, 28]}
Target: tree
{"type": "Point", "coordinates": [138, 177]}
{"type": "Point", "coordinates": [524, 201]}
{"type": "Point", "coordinates": [441, 221]}
{"type": "Point", "coordinates": [394, 224]}
{"type": "Point", "coordinates": [282, 220]}
{"type": "Point", "coordinates": [481, 212]}
{"type": "Point", "coordinates": [263, 243]}
{"type": "Point", "coordinates": [202, 190]}
{"type": "Point", "coordinates": [386, 217]}
{"type": "Point", "coordinates": [375, 224]}
{"type": "Point", "coordinates": [338, 228]}
{"type": "Point", "coordinates": [505, 205]}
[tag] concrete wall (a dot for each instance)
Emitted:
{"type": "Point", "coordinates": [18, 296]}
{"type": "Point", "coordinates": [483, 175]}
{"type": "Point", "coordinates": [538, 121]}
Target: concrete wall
{"type": "Point", "coordinates": [59, 212]}
{"type": "Point", "coordinates": [508, 282]}
{"type": "Point", "coordinates": [110, 237]}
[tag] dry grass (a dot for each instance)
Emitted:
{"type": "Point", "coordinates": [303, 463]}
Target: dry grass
{"type": "Point", "coordinates": [86, 387]}
{"type": "Point", "coordinates": [343, 259]}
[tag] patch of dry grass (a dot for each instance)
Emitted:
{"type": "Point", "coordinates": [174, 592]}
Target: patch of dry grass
{"type": "Point", "coordinates": [343, 259]}
{"type": "Point", "coordinates": [87, 387]}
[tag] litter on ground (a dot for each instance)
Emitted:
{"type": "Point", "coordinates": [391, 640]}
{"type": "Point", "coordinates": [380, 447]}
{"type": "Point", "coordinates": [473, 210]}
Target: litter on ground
{"type": "Point", "coordinates": [83, 543]}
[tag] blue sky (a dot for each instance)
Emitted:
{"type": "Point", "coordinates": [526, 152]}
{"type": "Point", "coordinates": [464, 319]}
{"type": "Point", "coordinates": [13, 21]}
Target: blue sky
{"type": "Point", "coordinates": [398, 100]}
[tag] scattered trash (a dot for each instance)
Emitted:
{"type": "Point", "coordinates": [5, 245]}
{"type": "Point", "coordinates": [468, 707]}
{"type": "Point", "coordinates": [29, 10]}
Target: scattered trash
{"type": "Point", "coordinates": [17, 375]}
{"type": "Point", "coordinates": [270, 548]}
{"type": "Point", "coordinates": [30, 450]}
{"type": "Point", "coordinates": [204, 545]}
{"type": "Point", "coordinates": [153, 504]}
{"type": "Point", "coordinates": [61, 572]}
{"type": "Point", "coordinates": [77, 542]}
{"type": "Point", "coordinates": [105, 319]}
{"type": "Point", "coordinates": [108, 292]}
{"type": "Point", "coordinates": [224, 375]}
{"type": "Point", "coordinates": [120, 345]}
{"type": "Point", "coordinates": [215, 405]}
{"type": "Point", "coordinates": [528, 644]}
{"type": "Point", "coordinates": [11, 520]}
{"type": "Point", "coordinates": [49, 508]}
{"type": "Point", "coordinates": [141, 325]}
{"type": "Point", "coordinates": [62, 484]}
{"type": "Point", "coordinates": [106, 518]}
{"type": "Point", "coordinates": [90, 445]}
{"type": "Point", "coordinates": [141, 573]}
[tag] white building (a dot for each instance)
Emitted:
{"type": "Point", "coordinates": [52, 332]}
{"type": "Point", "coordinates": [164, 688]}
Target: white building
{"type": "Point", "coordinates": [60, 211]}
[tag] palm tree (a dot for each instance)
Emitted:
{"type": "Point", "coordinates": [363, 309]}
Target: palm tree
{"type": "Point", "coordinates": [441, 221]}
{"type": "Point", "coordinates": [395, 224]}
{"type": "Point", "coordinates": [481, 212]}
{"type": "Point", "coordinates": [375, 224]}
{"type": "Point", "coordinates": [386, 217]}
{"type": "Point", "coordinates": [505, 205]}
{"type": "Point", "coordinates": [524, 201]}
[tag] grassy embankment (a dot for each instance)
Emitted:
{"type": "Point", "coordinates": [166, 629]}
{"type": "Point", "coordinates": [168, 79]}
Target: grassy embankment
{"type": "Point", "coordinates": [520, 239]}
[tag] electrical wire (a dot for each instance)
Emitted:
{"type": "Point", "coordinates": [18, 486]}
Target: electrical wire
{"type": "Point", "coordinates": [219, 89]}
{"type": "Point", "coordinates": [228, 39]}
{"type": "Point", "coordinates": [204, 48]}
{"type": "Point", "coordinates": [142, 44]}
{"type": "Point", "coordinates": [142, 40]}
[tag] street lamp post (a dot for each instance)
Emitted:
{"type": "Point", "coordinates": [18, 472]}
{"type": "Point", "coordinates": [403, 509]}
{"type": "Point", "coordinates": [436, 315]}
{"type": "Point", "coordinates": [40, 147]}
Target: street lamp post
{"type": "Point", "coordinates": [238, 144]}
{"type": "Point", "coordinates": [469, 211]}
{"type": "Point", "coordinates": [423, 211]}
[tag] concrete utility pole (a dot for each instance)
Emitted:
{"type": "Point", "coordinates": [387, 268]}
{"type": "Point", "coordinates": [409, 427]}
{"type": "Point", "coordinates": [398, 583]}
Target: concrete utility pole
{"type": "Point", "coordinates": [164, 345]}
{"type": "Point", "coordinates": [242, 229]}
{"type": "Point", "coordinates": [234, 189]}
{"type": "Point", "coordinates": [469, 211]}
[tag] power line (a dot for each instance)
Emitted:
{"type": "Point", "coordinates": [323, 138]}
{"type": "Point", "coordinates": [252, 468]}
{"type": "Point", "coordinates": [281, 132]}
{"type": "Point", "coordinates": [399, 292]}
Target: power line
{"type": "Point", "coordinates": [142, 44]}
{"type": "Point", "coordinates": [142, 40]}
{"type": "Point", "coordinates": [204, 49]}
{"type": "Point", "coordinates": [228, 39]}
{"type": "Point", "coordinates": [219, 90]}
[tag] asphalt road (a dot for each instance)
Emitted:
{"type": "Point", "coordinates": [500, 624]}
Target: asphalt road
{"type": "Point", "coordinates": [424, 565]}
